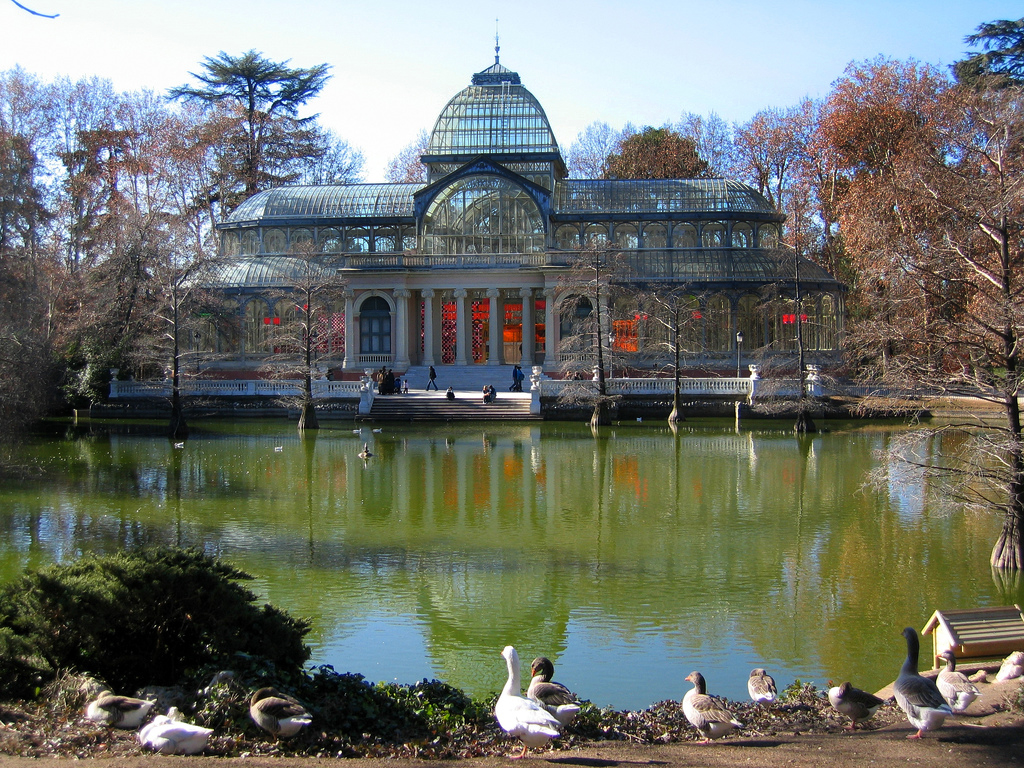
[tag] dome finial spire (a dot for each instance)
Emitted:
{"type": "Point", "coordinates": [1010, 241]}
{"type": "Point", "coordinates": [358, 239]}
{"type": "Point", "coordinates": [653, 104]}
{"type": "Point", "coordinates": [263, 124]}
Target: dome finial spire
{"type": "Point", "coordinates": [496, 46]}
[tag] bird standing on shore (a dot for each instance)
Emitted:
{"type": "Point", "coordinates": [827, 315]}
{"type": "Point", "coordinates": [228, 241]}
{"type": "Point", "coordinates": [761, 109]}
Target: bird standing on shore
{"type": "Point", "coordinates": [708, 714]}
{"type": "Point", "coordinates": [918, 696]}
{"type": "Point", "coordinates": [761, 687]}
{"type": "Point", "coordinates": [860, 706]}
{"type": "Point", "coordinates": [954, 686]}
{"type": "Point", "coordinates": [554, 697]}
{"type": "Point", "coordinates": [519, 716]}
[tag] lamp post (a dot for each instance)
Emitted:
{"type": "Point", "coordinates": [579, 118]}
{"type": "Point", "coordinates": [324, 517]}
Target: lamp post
{"type": "Point", "coordinates": [739, 343]}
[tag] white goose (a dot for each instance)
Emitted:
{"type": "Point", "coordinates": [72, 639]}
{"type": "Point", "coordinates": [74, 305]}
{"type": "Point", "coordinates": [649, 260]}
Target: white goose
{"type": "Point", "coordinates": [168, 735]}
{"type": "Point", "coordinates": [1012, 667]}
{"type": "Point", "coordinates": [118, 711]}
{"type": "Point", "coordinates": [761, 687]}
{"type": "Point", "coordinates": [277, 713]}
{"type": "Point", "coordinates": [708, 714]}
{"type": "Point", "coordinates": [554, 697]}
{"type": "Point", "coordinates": [954, 686]}
{"type": "Point", "coordinates": [519, 716]}
{"type": "Point", "coordinates": [860, 706]}
{"type": "Point", "coordinates": [918, 696]}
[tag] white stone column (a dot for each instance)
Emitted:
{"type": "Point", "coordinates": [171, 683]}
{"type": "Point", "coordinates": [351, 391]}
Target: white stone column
{"type": "Point", "coordinates": [460, 326]}
{"type": "Point", "coordinates": [401, 333]}
{"type": "Point", "coordinates": [428, 327]}
{"type": "Point", "coordinates": [551, 334]}
{"type": "Point", "coordinates": [528, 342]}
{"type": "Point", "coordinates": [495, 338]}
{"type": "Point", "coordinates": [351, 359]}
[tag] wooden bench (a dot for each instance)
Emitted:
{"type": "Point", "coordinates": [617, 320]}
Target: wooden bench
{"type": "Point", "coordinates": [976, 634]}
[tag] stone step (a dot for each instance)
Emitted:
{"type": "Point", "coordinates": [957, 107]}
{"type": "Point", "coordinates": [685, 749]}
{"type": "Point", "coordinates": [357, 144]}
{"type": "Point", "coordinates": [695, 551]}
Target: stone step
{"type": "Point", "coordinates": [420, 406]}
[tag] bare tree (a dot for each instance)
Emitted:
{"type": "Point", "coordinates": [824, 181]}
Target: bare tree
{"type": "Point", "coordinates": [670, 313]}
{"type": "Point", "coordinates": [308, 295]}
{"type": "Point", "coordinates": [406, 166]}
{"type": "Point", "coordinates": [587, 292]}
{"type": "Point", "coordinates": [587, 156]}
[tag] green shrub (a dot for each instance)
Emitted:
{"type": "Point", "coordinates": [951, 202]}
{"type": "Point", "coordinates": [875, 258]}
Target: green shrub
{"type": "Point", "coordinates": [147, 617]}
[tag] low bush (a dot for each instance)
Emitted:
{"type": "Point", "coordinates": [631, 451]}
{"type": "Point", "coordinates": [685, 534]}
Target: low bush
{"type": "Point", "coordinates": [147, 617]}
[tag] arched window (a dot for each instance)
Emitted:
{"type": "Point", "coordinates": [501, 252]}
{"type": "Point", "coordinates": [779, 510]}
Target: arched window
{"type": "Point", "coordinates": [300, 239]}
{"type": "Point", "coordinates": [230, 244]}
{"type": "Point", "coordinates": [250, 242]}
{"type": "Point", "coordinates": [260, 320]}
{"type": "Point", "coordinates": [483, 214]}
{"type": "Point", "coordinates": [750, 321]}
{"type": "Point", "coordinates": [627, 237]}
{"type": "Point", "coordinates": [712, 235]}
{"type": "Point", "coordinates": [767, 236]}
{"type": "Point", "coordinates": [595, 235]}
{"type": "Point", "coordinates": [742, 235]}
{"type": "Point", "coordinates": [829, 320]}
{"type": "Point", "coordinates": [567, 237]}
{"type": "Point", "coordinates": [274, 241]}
{"type": "Point", "coordinates": [330, 240]}
{"type": "Point", "coordinates": [655, 236]}
{"type": "Point", "coordinates": [386, 239]}
{"type": "Point", "coordinates": [375, 327]}
{"type": "Point", "coordinates": [357, 240]}
{"type": "Point", "coordinates": [718, 324]}
{"type": "Point", "coordinates": [217, 331]}
{"type": "Point", "coordinates": [684, 236]}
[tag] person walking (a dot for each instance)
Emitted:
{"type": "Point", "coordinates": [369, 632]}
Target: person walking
{"type": "Point", "coordinates": [430, 379]}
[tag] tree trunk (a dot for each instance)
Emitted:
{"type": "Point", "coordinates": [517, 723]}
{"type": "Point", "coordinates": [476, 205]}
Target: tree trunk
{"type": "Point", "coordinates": [178, 427]}
{"type": "Point", "coordinates": [600, 418]}
{"type": "Point", "coordinates": [307, 416]}
{"type": "Point", "coordinates": [1008, 553]}
{"type": "Point", "coordinates": [804, 423]}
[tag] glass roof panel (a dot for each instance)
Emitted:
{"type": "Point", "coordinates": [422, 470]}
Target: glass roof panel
{"type": "Point", "coordinates": [332, 201]}
{"type": "Point", "coordinates": [260, 272]}
{"type": "Point", "coordinates": [588, 196]}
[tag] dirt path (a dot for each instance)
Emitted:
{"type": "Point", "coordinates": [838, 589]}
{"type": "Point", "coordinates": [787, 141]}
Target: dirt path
{"type": "Point", "coordinates": [954, 746]}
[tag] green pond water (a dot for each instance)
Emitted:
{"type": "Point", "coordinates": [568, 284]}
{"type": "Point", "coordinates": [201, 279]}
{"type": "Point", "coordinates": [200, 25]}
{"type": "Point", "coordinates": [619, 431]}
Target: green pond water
{"type": "Point", "coordinates": [630, 558]}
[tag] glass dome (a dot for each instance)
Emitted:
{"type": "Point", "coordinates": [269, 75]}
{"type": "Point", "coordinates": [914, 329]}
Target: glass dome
{"type": "Point", "coordinates": [494, 115]}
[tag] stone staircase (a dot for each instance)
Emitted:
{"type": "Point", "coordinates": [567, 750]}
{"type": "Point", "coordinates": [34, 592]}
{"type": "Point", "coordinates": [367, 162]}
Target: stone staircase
{"type": "Point", "coordinates": [464, 378]}
{"type": "Point", "coordinates": [467, 406]}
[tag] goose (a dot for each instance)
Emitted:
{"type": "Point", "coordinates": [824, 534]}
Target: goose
{"type": "Point", "coordinates": [278, 449]}
{"type": "Point", "coordinates": [1012, 667]}
{"type": "Point", "coordinates": [918, 696]}
{"type": "Point", "coordinates": [278, 714]}
{"type": "Point", "coordinates": [554, 697]}
{"type": "Point", "coordinates": [168, 735]}
{"type": "Point", "coordinates": [761, 687]}
{"type": "Point", "coordinates": [708, 714]}
{"type": "Point", "coordinates": [860, 706]}
{"type": "Point", "coordinates": [118, 711]}
{"type": "Point", "coordinates": [519, 716]}
{"type": "Point", "coordinates": [954, 686]}
{"type": "Point", "coordinates": [365, 453]}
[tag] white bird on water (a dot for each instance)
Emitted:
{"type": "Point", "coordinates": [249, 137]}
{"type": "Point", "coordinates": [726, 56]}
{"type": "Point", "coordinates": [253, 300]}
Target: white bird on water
{"type": "Point", "coordinates": [365, 453]}
{"type": "Point", "coordinates": [519, 716]}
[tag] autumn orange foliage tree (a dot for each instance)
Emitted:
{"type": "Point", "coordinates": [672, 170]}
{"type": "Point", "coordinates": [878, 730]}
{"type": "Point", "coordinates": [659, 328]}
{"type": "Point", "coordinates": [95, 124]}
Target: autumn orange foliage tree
{"type": "Point", "coordinates": [933, 214]}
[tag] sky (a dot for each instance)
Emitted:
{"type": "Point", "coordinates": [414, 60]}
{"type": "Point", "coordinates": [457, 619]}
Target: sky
{"type": "Point", "coordinates": [396, 63]}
